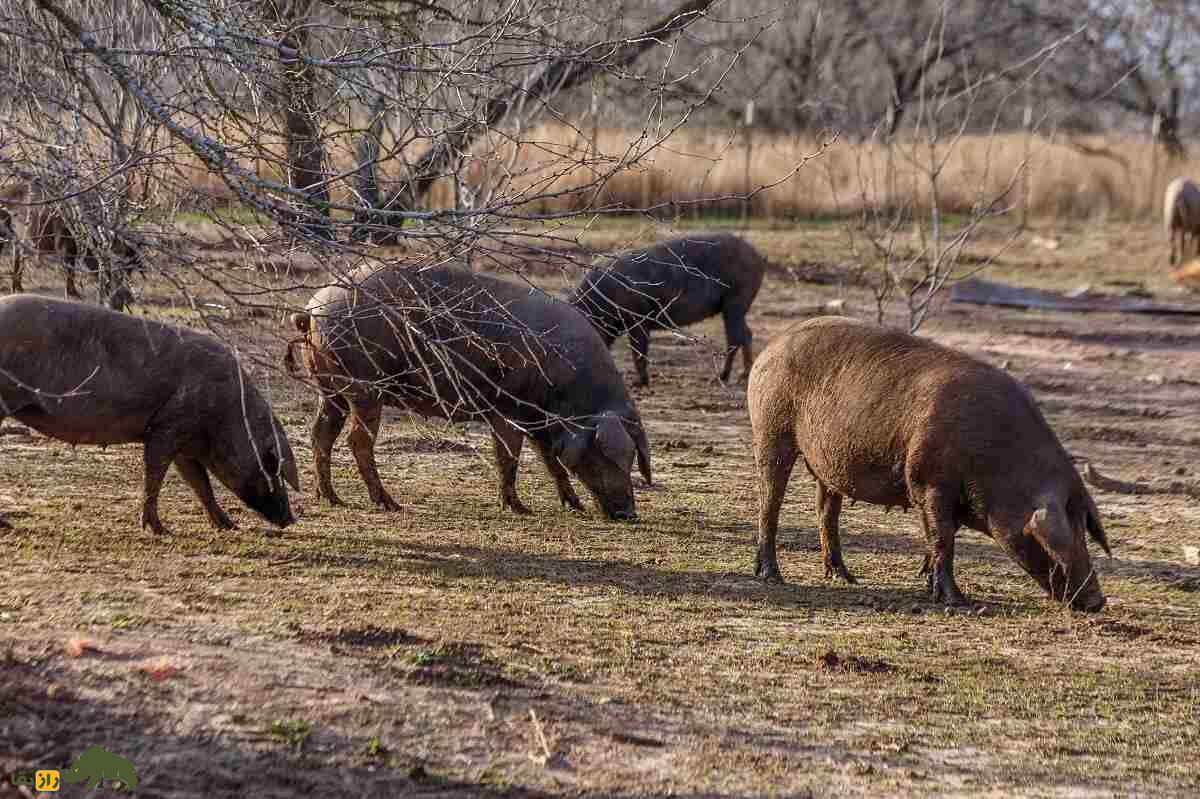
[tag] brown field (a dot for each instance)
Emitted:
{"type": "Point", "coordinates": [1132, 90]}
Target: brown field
{"type": "Point", "coordinates": [453, 649]}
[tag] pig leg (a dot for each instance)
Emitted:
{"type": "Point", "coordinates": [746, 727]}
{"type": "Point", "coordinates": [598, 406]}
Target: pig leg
{"type": "Point", "coordinates": [3, 524]}
{"type": "Point", "coordinates": [937, 516]}
{"type": "Point", "coordinates": [364, 430]}
{"type": "Point", "coordinates": [829, 506]}
{"type": "Point", "coordinates": [775, 457]}
{"type": "Point", "coordinates": [70, 263]}
{"type": "Point", "coordinates": [17, 267]}
{"type": "Point", "coordinates": [70, 290]}
{"type": "Point", "coordinates": [507, 442]}
{"type": "Point", "coordinates": [197, 477]}
{"type": "Point", "coordinates": [157, 455]}
{"type": "Point", "coordinates": [639, 343]}
{"type": "Point", "coordinates": [566, 493]}
{"type": "Point", "coordinates": [331, 418]}
{"type": "Point", "coordinates": [737, 336]}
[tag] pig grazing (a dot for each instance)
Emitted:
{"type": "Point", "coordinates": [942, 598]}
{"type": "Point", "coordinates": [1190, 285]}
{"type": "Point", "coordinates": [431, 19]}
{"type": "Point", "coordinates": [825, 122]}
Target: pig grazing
{"type": "Point", "coordinates": [87, 375]}
{"type": "Point", "coordinates": [888, 418]}
{"type": "Point", "coordinates": [528, 365]}
{"type": "Point", "coordinates": [672, 284]}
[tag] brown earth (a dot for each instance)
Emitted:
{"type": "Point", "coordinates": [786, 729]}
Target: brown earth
{"type": "Point", "coordinates": [453, 649]}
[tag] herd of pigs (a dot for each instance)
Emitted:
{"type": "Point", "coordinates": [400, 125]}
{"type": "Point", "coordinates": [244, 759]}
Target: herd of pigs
{"type": "Point", "coordinates": [874, 414]}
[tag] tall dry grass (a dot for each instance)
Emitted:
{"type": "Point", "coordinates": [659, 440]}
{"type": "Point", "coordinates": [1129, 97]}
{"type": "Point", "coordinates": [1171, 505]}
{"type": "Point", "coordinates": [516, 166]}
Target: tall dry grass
{"type": "Point", "coordinates": [1082, 177]}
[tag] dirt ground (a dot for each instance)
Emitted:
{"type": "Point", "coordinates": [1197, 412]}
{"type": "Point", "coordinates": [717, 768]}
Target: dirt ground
{"type": "Point", "coordinates": [453, 649]}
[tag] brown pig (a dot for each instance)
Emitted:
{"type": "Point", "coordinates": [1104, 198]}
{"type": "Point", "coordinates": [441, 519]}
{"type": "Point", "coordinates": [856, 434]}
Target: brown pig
{"type": "Point", "coordinates": [87, 375]}
{"type": "Point", "coordinates": [443, 342]}
{"type": "Point", "coordinates": [892, 419]}
{"type": "Point", "coordinates": [50, 236]}
{"type": "Point", "coordinates": [672, 284]}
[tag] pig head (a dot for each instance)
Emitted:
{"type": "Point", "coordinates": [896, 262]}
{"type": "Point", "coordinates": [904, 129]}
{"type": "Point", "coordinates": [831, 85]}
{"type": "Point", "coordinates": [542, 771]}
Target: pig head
{"type": "Point", "coordinates": [251, 456]}
{"type": "Point", "coordinates": [1051, 546]}
{"type": "Point", "coordinates": [602, 456]}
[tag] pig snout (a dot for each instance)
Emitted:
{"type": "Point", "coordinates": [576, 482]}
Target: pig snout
{"type": "Point", "coordinates": [1090, 599]}
{"type": "Point", "coordinates": [619, 507]}
{"type": "Point", "coordinates": [270, 503]}
{"type": "Point", "coordinates": [1082, 592]}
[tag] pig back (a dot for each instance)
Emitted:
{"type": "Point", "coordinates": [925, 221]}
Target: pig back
{"type": "Point", "coordinates": [674, 283]}
{"type": "Point", "coordinates": [445, 342]}
{"type": "Point", "coordinates": [874, 406]}
{"type": "Point", "coordinates": [91, 375]}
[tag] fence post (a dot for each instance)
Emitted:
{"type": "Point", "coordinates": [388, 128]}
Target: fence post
{"type": "Point", "coordinates": [1026, 172]}
{"type": "Point", "coordinates": [1155, 128]}
{"type": "Point", "coordinates": [748, 128]}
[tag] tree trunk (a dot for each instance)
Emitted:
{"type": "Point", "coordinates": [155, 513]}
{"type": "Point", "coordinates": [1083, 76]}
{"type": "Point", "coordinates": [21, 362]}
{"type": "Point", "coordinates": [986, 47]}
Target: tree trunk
{"type": "Point", "coordinates": [1168, 129]}
{"type": "Point", "coordinates": [369, 224]}
{"type": "Point", "coordinates": [556, 76]}
{"type": "Point", "coordinates": [305, 151]}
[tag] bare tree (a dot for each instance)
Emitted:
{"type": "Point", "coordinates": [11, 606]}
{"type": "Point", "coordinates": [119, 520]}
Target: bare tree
{"type": "Point", "coordinates": [913, 250]}
{"type": "Point", "coordinates": [1132, 59]}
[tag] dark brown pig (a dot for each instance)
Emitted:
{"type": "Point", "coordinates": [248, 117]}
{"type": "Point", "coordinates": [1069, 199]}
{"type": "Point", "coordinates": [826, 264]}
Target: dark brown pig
{"type": "Point", "coordinates": [87, 375]}
{"type": "Point", "coordinates": [673, 284]}
{"type": "Point", "coordinates": [530, 366]}
{"type": "Point", "coordinates": [888, 418]}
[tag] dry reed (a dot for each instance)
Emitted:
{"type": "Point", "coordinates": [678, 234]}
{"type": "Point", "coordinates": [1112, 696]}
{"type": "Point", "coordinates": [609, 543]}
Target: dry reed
{"type": "Point", "coordinates": [705, 169]}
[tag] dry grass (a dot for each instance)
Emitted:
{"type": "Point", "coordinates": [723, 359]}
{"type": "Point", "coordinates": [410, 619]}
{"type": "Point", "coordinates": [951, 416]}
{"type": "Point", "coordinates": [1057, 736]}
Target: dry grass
{"type": "Point", "coordinates": [369, 654]}
{"type": "Point", "coordinates": [1106, 177]}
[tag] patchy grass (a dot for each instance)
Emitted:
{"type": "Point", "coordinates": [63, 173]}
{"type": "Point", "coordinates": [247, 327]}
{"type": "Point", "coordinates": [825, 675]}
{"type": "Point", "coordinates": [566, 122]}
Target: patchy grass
{"type": "Point", "coordinates": [366, 653]}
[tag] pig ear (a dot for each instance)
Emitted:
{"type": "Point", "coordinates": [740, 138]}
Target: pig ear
{"type": "Point", "coordinates": [614, 441]}
{"type": "Point", "coordinates": [290, 474]}
{"type": "Point", "coordinates": [643, 450]}
{"type": "Point", "coordinates": [1047, 526]}
{"type": "Point", "coordinates": [570, 447]}
{"type": "Point", "coordinates": [1095, 528]}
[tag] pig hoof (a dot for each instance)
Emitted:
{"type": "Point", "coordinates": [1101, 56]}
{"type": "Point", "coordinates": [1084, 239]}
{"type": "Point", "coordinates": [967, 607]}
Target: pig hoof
{"type": "Point", "coordinates": [154, 525]}
{"type": "Point", "coordinates": [950, 597]}
{"type": "Point", "coordinates": [517, 507]}
{"type": "Point", "coordinates": [835, 568]}
{"type": "Point", "coordinates": [223, 522]}
{"type": "Point", "coordinates": [768, 573]}
{"type": "Point", "coordinates": [333, 500]}
{"type": "Point", "coordinates": [386, 503]}
{"type": "Point", "coordinates": [572, 503]}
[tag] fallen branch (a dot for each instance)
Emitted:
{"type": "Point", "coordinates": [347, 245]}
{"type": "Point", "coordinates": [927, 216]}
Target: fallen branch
{"type": "Point", "coordinates": [985, 292]}
{"type": "Point", "coordinates": [1093, 477]}
{"type": "Point", "coordinates": [547, 755]}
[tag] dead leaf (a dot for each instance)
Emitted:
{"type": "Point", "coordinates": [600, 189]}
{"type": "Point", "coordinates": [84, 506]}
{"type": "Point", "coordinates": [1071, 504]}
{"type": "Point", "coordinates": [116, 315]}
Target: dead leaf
{"type": "Point", "coordinates": [77, 646]}
{"type": "Point", "coordinates": [157, 669]}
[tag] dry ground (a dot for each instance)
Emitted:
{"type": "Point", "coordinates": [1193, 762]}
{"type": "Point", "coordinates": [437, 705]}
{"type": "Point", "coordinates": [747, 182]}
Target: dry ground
{"type": "Point", "coordinates": [453, 649]}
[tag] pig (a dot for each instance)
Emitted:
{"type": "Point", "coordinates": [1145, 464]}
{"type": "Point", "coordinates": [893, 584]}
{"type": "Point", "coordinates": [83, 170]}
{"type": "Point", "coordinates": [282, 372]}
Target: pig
{"type": "Point", "coordinates": [672, 284]}
{"type": "Point", "coordinates": [888, 418]}
{"type": "Point", "coordinates": [1181, 217]}
{"type": "Point", "coordinates": [527, 364]}
{"type": "Point", "coordinates": [88, 375]}
{"type": "Point", "coordinates": [50, 236]}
